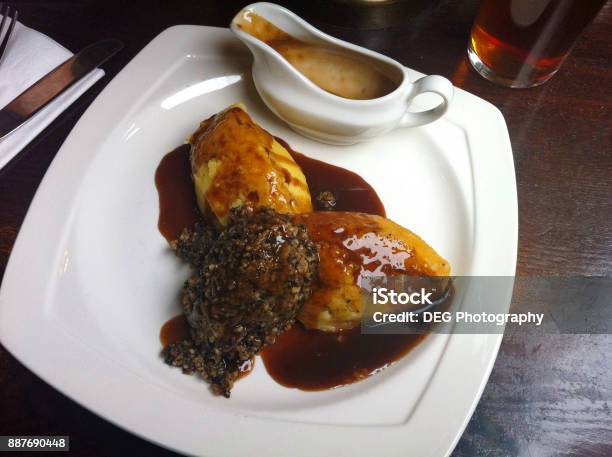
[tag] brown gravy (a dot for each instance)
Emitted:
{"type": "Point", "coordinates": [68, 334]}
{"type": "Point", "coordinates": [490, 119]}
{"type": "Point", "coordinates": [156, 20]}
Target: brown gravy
{"type": "Point", "coordinates": [352, 192]}
{"type": "Point", "coordinates": [178, 207]}
{"type": "Point", "coordinates": [316, 360]}
{"type": "Point", "coordinates": [336, 70]}
{"type": "Point", "coordinates": [174, 331]}
{"type": "Point", "coordinates": [300, 358]}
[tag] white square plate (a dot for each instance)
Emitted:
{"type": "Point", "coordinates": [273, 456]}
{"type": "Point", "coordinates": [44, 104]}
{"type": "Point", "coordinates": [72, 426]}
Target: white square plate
{"type": "Point", "coordinates": [91, 281]}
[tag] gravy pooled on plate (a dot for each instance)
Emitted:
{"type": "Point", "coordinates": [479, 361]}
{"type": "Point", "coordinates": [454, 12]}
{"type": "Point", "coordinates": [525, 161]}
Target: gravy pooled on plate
{"type": "Point", "coordinates": [337, 71]}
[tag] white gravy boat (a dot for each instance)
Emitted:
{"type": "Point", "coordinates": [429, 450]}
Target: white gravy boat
{"type": "Point", "coordinates": [321, 115]}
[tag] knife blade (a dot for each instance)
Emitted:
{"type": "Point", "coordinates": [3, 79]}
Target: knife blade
{"type": "Point", "coordinates": [54, 83]}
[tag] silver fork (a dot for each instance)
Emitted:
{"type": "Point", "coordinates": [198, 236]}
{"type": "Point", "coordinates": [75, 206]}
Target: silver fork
{"type": "Point", "coordinates": [6, 12]}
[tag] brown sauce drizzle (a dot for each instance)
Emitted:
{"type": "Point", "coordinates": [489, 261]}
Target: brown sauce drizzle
{"type": "Point", "coordinates": [178, 207]}
{"type": "Point", "coordinates": [352, 192]}
{"type": "Point", "coordinates": [300, 358]}
{"type": "Point", "coordinates": [316, 360]}
{"type": "Point", "coordinates": [174, 331]}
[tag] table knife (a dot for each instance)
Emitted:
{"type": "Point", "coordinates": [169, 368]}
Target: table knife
{"type": "Point", "coordinates": [54, 83]}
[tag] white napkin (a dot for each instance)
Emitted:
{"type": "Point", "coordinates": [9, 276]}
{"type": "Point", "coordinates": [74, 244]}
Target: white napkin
{"type": "Point", "coordinates": [29, 56]}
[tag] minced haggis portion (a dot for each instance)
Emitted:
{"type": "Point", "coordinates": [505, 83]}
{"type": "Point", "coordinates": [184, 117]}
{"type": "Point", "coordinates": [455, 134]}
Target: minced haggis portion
{"type": "Point", "coordinates": [249, 287]}
{"type": "Point", "coordinates": [193, 243]}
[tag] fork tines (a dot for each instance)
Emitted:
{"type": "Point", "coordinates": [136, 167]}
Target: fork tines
{"type": "Point", "coordinates": [11, 14]}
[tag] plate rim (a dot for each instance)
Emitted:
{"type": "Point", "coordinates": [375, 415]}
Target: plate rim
{"type": "Point", "coordinates": [13, 284]}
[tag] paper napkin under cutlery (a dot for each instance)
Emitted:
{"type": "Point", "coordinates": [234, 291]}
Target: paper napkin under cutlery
{"type": "Point", "coordinates": [31, 55]}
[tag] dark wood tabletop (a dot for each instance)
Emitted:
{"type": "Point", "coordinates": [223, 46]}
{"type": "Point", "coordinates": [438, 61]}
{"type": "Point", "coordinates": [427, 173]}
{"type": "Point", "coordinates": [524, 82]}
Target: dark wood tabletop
{"type": "Point", "coordinates": [548, 395]}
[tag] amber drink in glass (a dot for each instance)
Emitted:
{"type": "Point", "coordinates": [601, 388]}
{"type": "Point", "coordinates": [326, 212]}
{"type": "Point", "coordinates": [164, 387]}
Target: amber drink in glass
{"type": "Point", "coordinates": [522, 43]}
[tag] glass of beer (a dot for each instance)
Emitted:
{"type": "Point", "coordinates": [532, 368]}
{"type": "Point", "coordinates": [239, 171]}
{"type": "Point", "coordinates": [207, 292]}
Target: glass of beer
{"type": "Point", "coordinates": [522, 43]}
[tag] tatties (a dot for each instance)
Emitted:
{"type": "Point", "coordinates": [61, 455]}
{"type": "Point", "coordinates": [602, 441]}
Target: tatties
{"type": "Point", "coordinates": [235, 162]}
{"type": "Point", "coordinates": [352, 245]}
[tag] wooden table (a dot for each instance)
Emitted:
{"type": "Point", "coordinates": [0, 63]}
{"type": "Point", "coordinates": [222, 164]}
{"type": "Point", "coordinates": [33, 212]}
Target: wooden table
{"type": "Point", "coordinates": [547, 395]}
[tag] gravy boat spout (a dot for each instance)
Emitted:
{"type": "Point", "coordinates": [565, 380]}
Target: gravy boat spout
{"type": "Point", "coordinates": [328, 89]}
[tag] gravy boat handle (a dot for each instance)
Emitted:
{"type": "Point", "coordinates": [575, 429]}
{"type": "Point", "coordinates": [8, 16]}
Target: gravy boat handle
{"type": "Point", "coordinates": [433, 83]}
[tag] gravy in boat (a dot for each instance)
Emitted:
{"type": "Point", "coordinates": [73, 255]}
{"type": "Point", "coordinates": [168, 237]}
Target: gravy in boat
{"type": "Point", "coordinates": [338, 71]}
